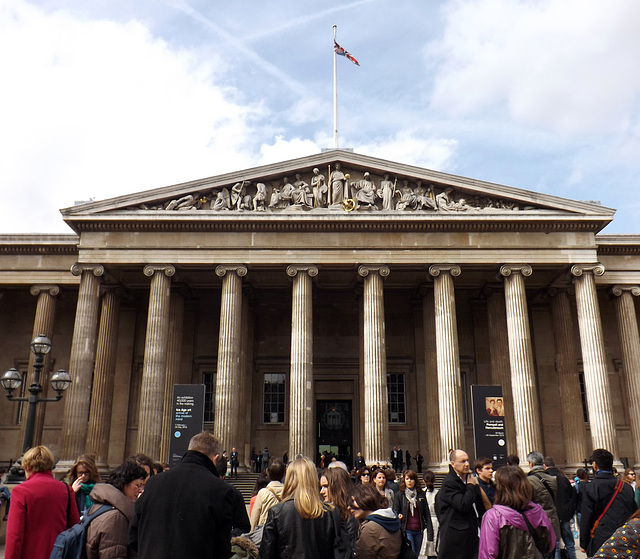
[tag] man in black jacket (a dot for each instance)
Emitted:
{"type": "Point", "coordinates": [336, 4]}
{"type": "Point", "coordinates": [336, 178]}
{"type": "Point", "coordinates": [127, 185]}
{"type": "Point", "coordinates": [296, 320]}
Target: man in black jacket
{"type": "Point", "coordinates": [459, 508]}
{"type": "Point", "coordinates": [565, 501]}
{"type": "Point", "coordinates": [188, 511]}
{"type": "Point", "coordinates": [598, 497]}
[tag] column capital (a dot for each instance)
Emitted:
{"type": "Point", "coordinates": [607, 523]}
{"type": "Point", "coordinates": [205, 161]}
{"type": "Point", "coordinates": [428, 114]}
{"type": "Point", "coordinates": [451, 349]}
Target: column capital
{"type": "Point", "coordinates": [239, 269]}
{"type": "Point", "coordinates": [293, 269]}
{"type": "Point", "coordinates": [53, 290]}
{"type": "Point", "coordinates": [508, 269]}
{"type": "Point", "coordinates": [618, 290]}
{"type": "Point", "coordinates": [436, 269]}
{"type": "Point", "coordinates": [578, 270]}
{"type": "Point", "coordinates": [150, 269]}
{"type": "Point", "coordinates": [365, 269]}
{"type": "Point", "coordinates": [96, 269]}
{"type": "Point", "coordinates": [555, 290]}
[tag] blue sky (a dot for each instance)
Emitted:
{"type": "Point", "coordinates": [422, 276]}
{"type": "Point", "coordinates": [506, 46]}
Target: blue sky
{"type": "Point", "coordinates": [110, 97]}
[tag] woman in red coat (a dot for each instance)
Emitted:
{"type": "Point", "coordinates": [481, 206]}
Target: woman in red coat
{"type": "Point", "coordinates": [41, 508]}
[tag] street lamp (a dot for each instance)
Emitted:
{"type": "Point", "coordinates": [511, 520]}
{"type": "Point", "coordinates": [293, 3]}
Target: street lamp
{"type": "Point", "coordinates": [11, 380]}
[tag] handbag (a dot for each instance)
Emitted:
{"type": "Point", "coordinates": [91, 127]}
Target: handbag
{"type": "Point", "coordinates": [406, 551]}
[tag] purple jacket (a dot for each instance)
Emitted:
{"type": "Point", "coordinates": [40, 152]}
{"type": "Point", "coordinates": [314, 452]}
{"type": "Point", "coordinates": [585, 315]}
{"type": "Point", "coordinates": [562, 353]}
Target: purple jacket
{"type": "Point", "coordinates": [502, 522]}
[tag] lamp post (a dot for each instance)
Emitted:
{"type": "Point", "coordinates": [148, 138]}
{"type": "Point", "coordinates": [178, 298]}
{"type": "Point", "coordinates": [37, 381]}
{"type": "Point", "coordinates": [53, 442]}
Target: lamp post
{"type": "Point", "coordinates": [12, 379]}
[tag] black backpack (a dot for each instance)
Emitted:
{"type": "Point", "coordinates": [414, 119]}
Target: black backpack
{"type": "Point", "coordinates": [71, 544]}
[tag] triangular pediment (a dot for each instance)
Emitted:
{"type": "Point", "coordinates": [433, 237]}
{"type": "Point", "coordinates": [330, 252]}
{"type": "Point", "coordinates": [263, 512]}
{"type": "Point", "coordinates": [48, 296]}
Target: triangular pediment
{"type": "Point", "coordinates": [332, 184]}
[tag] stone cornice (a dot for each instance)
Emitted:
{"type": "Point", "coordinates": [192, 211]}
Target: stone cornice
{"type": "Point", "coordinates": [618, 244]}
{"type": "Point", "coordinates": [209, 221]}
{"type": "Point", "coordinates": [39, 244]}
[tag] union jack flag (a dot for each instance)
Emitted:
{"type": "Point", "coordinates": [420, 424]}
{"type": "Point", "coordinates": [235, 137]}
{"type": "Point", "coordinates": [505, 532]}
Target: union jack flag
{"type": "Point", "coordinates": [339, 50]}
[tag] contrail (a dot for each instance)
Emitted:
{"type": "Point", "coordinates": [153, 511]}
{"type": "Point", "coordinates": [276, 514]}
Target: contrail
{"type": "Point", "coordinates": [307, 18]}
{"type": "Point", "coordinates": [240, 46]}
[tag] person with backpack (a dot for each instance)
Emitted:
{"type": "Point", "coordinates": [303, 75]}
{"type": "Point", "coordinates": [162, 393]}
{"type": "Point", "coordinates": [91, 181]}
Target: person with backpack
{"type": "Point", "coordinates": [515, 527]}
{"type": "Point", "coordinates": [108, 534]}
{"type": "Point", "coordinates": [41, 508]}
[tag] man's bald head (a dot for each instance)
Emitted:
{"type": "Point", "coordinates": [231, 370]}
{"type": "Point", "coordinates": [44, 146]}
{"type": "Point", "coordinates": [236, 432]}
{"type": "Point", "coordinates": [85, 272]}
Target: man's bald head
{"type": "Point", "coordinates": [459, 460]}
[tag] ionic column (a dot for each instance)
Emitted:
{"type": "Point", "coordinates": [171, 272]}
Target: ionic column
{"type": "Point", "coordinates": [567, 367]}
{"type": "Point", "coordinates": [376, 406]}
{"type": "Point", "coordinates": [228, 407]}
{"type": "Point", "coordinates": [630, 345]}
{"type": "Point", "coordinates": [500, 366]}
{"type": "Point", "coordinates": [83, 351]}
{"type": "Point", "coordinates": [155, 360]}
{"type": "Point", "coordinates": [449, 383]}
{"type": "Point", "coordinates": [301, 426]}
{"type": "Point", "coordinates": [42, 325]}
{"type": "Point", "coordinates": [523, 380]}
{"type": "Point", "coordinates": [435, 453]}
{"type": "Point", "coordinates": [596, 379]}
{"type": "Point", "coordinates": [99, 428]}
{"type": "Point", "coordinates": [174, 355]}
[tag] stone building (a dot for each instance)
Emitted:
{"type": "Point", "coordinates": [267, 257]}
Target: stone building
{"type": "Point", "coordinates": [336, 301]}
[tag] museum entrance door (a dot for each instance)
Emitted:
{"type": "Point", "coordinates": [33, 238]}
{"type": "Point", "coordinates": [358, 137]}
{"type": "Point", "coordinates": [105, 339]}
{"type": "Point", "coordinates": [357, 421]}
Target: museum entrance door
{"type": "Point", "coordinates": [335, 433]}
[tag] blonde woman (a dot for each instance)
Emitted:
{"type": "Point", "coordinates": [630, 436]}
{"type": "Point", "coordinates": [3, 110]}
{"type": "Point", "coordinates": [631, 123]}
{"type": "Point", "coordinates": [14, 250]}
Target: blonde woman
{"type": "Point", "coordinates": [301, 526]}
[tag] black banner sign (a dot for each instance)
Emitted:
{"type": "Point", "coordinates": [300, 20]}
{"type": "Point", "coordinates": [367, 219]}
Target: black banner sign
{"type": "Point", "coordinates": [187, 418]}
{"type": "Point", "coordinates": [488, 423]}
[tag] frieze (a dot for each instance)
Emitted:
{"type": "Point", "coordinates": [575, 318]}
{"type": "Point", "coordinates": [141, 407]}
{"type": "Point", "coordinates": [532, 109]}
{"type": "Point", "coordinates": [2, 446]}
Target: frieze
{"type": "Point", "coordinates": [336, 189]}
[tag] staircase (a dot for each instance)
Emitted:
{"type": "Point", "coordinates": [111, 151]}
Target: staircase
{"type": "Point", "coordinates": [246, 481]}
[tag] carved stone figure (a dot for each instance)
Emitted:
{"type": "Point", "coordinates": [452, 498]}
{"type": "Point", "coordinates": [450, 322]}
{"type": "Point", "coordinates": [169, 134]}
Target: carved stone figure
{"type": "Point", "coordinates": [319, 189]}
{"type": "Point", "coordinates": [444, 201]}
{"type": "Point", "coordinates": [408, 200]}
{"type": "Point", "coordinates": [301, 194]}
{"type": "Point", "coordinates": [260, 199]}
{"type": "Point", "coordinates": [338, 182]}
{"type": "Point", "coordinates": [238, 194]}
{"type": "Point", "coordinates": [222, 200]}
{"type": "Point", "coordinates": [366, 192]}
{"type": "Point", "coordinates": [387, 193]}
{"type": "Point", "coordinates": [274, 202]}
{"type": "Point", "coordinates": [285, 193]}
{"type": "Point", "coordinates": [187, 202]}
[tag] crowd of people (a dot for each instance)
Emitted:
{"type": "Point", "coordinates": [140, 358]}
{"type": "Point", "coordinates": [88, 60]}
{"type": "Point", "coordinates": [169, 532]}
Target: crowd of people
{"type": "Point", "coordinates": [298, 510]}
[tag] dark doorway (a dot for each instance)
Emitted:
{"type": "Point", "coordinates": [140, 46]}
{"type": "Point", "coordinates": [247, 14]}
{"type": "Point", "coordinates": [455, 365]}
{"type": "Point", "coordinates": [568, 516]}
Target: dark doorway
{"type": "Point", "coordinates": [335, 434]}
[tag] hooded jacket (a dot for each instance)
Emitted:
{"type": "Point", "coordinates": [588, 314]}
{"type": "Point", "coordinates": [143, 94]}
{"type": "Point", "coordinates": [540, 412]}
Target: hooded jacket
{"type": "Point", "coordinates": [107, 535]}
{"type": "Point", "coordinates": [505, 533]}
{"type": "Point", "coordinates": [380, 536]}
{"type": "Point", "coordinates": [267, 497]}
{"type": "Point", "coordinates": [540, 480]}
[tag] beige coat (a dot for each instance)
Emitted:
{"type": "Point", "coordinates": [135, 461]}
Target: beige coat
{"type": "Point", "coordinates": [267, 497]}
{"type": "Point", "coordinates": [108, 534]}
{"type": "Point", "coordinates": [376, 543]}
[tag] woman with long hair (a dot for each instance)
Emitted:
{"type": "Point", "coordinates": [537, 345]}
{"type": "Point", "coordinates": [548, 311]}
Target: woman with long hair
{"type": "Point", "coordinates": [380, 482]}
{"type": "Point", "coordinates": [83, 477]}
{"type": "Point", "coordinates": [335, 488]}
{"type": "Point", "coordinates": [413, 510]}
{"type": "Point", "coordinates": [380, 533]}
{"type": "Point", "coordinates": [515, 527]}
{"type": "Point", "coordinates": [625, 541]}
{"type": "Point", "coordinates": [108, 534]}
{"type": "Point", "coordinates": [301, 526]}
{"type": "Point", "coordinates": [261, 481]}
{"type": "Point", "coordinates": [429, 548]}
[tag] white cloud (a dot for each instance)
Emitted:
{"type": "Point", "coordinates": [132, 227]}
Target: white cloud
{"type": "Point", "coordinates": [282, 150]}
{"type": "Point", "coordinates": [98, 109]}
{"type": "Point", "coordinates": [413, 148]}
{"type": "Point", "coordinates": [567, 65]}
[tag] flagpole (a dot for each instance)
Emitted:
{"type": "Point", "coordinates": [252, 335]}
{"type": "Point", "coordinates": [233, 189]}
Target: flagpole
{"type": "Point", "coordinates": [335, 91]}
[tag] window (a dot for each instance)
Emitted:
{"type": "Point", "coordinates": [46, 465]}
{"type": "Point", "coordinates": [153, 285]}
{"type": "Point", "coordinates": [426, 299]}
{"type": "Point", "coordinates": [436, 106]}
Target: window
{"type": "Point", "coordinates": [395, 398]}
{"type": "Point", "coordinates": [274, 397]}
{"type": "Point", "coordinates": [209, 381]}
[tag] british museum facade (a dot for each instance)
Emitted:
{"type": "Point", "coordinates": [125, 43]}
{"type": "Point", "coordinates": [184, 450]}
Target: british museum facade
{"type": "Point", "coordinates": [336, 301]}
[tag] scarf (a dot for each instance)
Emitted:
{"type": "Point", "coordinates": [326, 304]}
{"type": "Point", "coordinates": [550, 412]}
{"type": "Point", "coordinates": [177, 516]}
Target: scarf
{"type": "Point", "coordinates": [85, 489]}
{"type": "Point", "coordinates": [411, 495]}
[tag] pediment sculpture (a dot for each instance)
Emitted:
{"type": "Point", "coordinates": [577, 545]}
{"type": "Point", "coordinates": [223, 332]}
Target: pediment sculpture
{"type": "Point", "coordinates": [337, 190]}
